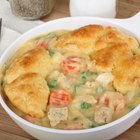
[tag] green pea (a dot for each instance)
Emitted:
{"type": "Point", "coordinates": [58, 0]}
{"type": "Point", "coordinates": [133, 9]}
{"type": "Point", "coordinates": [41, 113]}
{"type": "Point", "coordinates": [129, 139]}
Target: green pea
{"type": "Point", "coordinates": [51, 52]}
{"type": "Point", "coordinates": [52, 83]}
{"type": "Point", "coordinates": [84, 75]}
{"type": "Point", "coordinates": [130, 108]}
{"type": "Point", "coordinates": [51, 35]}
{"type": "Point", "coordinates": [99, 90]}
{"type": "Point", "coordinates": [87, 74]}
{"type": "Point", "coordinates": [3, 82]}
{"type": "Point", "coordinates": [37, 38]}
{"type": "Point", "coordinates": [91, 73]}
{"type": "Point", "coordinates": [77, 88]}
{"type": "Point", "coordinates": [85, 105]}
{"type": "Point", "coordinates": [91, 126]}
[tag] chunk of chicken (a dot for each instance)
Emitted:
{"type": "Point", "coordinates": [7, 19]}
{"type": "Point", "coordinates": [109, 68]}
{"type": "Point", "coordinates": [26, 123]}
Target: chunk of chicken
{"type": "Point", "coordinates": [56, 115]}
{"type": "Point", "coordinates": [103, 115]}
{"type": "Point", "coordinates": [105, 78]}
{"type": "Point", "coordinates": [57, 58]}
{"type": "Point", "coordinates": [92, 84]}
{"type": "Point", "coordinates": [63, 81]}
{"type": "Point", "coordinates": [114, 100]}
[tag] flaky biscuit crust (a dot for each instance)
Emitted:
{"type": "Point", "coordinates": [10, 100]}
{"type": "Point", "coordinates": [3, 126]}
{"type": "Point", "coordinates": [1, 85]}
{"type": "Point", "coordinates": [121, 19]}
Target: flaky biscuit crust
{"type": "Point", "coordinates": [127, 75]}
{"type": "Point", "coordinates": [29, 93]}
{"type": "Point", "coordinates": [36, 60]}
{"type": "Point", "coordinates": [91, 38]}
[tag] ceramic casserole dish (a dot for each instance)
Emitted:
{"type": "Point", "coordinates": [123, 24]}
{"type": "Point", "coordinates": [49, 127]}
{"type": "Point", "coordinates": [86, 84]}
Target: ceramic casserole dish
{"type": "Point", "coordinates": [108, 131]}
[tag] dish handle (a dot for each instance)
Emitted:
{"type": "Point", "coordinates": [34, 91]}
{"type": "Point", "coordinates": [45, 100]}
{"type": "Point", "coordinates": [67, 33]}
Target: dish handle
{"type": "Point", "coordinates": [132, 23]}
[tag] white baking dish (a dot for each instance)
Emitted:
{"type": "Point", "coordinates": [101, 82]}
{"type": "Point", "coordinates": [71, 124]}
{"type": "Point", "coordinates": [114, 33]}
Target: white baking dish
{"type": "Point", "coordinates": [105, 132]}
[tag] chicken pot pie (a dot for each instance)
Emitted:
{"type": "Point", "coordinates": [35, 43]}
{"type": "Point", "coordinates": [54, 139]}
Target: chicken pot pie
{"type": "Point", "coordinates": [74, 79]}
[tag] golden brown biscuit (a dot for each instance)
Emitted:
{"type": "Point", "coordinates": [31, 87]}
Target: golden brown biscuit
{"type": "Point", "coordinates": [84, 38]}
{"type": "Point", "coordinates": [95, 37]}
{"type": "Point", "coordinates": [127, 75]}
{"type": "Point", "coordinates": [105, 59]}
{"type": "Point", "coordinates": [29, 93]}
{"type": "Point", "coordinates": [114, 36]}
{"type": "Point", "coordinates": [36, 60]}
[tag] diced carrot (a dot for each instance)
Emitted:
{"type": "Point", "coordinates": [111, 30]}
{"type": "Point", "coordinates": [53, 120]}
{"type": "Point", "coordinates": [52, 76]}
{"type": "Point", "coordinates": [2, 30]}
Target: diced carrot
{"type": "Point", "coordinates": [72, 64]}
{"type": "Point", "coordinates": [60, 98]}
